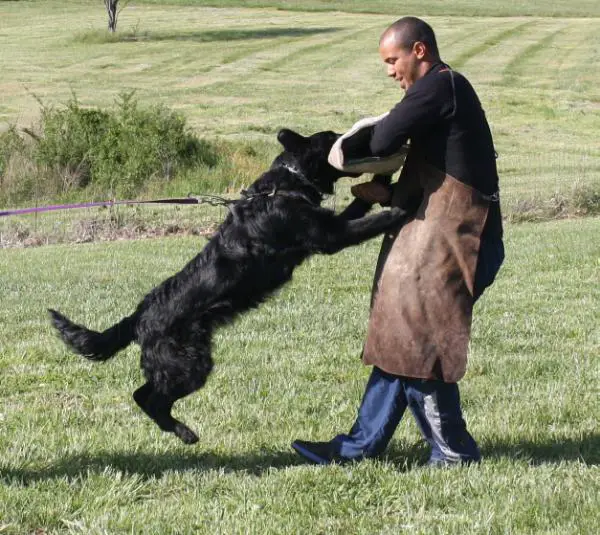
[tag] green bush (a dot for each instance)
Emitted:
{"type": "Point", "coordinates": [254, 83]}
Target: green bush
{"type": "Point", "coordinates": [18, 173]}
{"type": "Point", "coordinates": [118, 151]}
{"type": "Point", "coordinates": [586, 199]}
{"type": "Point", "coordinates": [70, 139]}
{"type": "Point", "coordinates": [77, 154]}
{"type": "Point", "coordinates": [10, 143]}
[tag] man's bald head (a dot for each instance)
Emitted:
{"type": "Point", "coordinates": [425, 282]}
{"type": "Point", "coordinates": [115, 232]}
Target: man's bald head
{"type": "Point", "coordinates": [405, 32]}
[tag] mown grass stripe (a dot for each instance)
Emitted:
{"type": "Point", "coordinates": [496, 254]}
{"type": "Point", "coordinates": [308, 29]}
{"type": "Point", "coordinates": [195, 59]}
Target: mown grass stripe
{"type": "Point", "coordinates": [261, 60]}
{"type": "Point", "coordinates": [391, 8]}
{"type": "Point", "coordinates": [304, 53]}
{"type": "Point", "coordinates": [461, 59]}
{"type": "Point", "coordinates": [523, 61]}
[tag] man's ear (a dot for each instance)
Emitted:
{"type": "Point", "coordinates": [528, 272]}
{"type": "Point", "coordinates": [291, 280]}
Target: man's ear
{"type": "Point", "coordinates": [420, 49]}
{"type": "Point", "coordinates": [291, 140]}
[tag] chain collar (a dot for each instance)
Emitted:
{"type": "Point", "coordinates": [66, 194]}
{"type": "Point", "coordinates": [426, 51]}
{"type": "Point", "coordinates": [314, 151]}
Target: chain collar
{"type": "Point", "coordinates": [287, 193]}
{"type": "Point", "coordinates": [295, 171]}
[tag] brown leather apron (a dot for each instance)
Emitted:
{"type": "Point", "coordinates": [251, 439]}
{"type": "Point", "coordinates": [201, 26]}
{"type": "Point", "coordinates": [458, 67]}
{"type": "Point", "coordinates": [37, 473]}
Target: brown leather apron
{"type": "Point", "coordinates": [422, 303]}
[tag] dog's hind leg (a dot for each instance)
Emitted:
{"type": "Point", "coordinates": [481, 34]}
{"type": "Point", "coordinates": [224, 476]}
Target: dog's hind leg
{"type": "Point", "coordinates": [173, 371]}
{"type": "Point", "coordinates": [158, 406]}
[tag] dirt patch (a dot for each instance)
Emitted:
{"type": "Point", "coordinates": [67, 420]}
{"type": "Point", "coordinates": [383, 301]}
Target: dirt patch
{"type": "Point", "coordinates": [105, 226]}
{"type": "Point", "coordinates": [92, 232]}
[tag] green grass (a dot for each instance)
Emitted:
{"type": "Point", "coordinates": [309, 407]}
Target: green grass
{"type": "Point", "coordinates": [543, 8]}
{"type": "Point", "coordinates": [241, 73]}
{"type": "Point", "coordinates": [78, 457]}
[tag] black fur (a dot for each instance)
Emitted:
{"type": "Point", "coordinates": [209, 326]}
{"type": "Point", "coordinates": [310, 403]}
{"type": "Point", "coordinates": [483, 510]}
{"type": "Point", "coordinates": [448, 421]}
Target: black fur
{"type": "Point", "coordinates": [274, 228]}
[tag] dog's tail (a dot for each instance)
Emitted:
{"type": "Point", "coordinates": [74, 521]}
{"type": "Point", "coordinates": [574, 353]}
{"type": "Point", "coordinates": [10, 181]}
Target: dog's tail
{"type": "Point", "coordinates": [91, 344]}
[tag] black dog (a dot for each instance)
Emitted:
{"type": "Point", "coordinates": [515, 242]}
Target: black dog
{"type": "Point", "coordinates": [275, 226]}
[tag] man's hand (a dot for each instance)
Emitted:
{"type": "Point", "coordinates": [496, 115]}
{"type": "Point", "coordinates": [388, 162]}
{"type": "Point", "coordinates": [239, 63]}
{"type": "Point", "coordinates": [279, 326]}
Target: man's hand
{"type": "Point", "coordinates": [373, 192]}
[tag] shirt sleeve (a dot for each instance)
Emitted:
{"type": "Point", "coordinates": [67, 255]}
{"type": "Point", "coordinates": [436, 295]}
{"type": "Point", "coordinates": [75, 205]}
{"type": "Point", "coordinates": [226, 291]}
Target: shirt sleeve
{"type": "Point", "coordinates": [420, 109]}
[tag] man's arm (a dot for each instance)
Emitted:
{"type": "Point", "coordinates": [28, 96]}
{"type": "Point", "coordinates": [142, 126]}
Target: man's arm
{"type": "Point", "coordinates": [419, 110]}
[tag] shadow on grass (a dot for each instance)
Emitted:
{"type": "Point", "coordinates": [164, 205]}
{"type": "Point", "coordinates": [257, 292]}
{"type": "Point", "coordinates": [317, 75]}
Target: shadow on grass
{"type": "Point", "coordinates": [200, 36]}
{"type": "Point", "coordinates": [586, 449]}
{"type": "Point", "coordinates": [149, 465]}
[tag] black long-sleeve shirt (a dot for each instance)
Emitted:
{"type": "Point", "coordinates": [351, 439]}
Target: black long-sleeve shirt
{"type": "Point", "coordinates": [443, 118]}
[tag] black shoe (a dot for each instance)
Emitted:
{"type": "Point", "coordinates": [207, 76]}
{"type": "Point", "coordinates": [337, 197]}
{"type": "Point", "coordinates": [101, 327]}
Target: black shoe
{"type": "Point", "coordinates": [316, 452]}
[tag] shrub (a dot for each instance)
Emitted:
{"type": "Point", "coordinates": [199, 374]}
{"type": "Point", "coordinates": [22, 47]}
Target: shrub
{"type": "Point", "coordinates": [10, 143]}
{"type": "Point", "coordinates": [581, 200]}
{"type": "Point", "coordinates": [18, 172]}
{"type": "Point", "coordinates": [69, 141]}
{"type": "Point", "coordinates": [121, 150]}
{"type": "Point", "coordinates": [586, 199]}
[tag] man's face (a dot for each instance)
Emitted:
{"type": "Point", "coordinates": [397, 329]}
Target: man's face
{"type": "Point", "coordinates": [403, 65]}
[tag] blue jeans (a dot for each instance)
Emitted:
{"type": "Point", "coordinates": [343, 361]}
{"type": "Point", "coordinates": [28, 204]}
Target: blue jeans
{"type": "Point", "coordinates": [435, 405]}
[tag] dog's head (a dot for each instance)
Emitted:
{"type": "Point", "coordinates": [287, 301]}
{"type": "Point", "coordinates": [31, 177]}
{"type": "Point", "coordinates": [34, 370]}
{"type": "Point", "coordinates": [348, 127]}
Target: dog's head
{"type": "Point", "coordinates": [308, 154]}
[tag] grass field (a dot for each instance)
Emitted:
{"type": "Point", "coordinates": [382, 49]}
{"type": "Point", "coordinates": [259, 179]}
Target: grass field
{"type": "Point", "coordinates": [244, 73]}
{"type": "Point", "coordinates": [543, 8]}
{"type": "Point", "coordinates": [76, 456]}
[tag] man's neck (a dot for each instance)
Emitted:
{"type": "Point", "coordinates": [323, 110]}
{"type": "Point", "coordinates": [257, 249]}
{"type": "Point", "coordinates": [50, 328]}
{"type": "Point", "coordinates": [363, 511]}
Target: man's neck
{"type": "Point", "coordinates": [427, 65]}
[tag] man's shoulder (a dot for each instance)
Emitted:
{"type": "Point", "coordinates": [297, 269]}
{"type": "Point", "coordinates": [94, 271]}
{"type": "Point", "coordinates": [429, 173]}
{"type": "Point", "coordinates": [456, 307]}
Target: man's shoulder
{"type": "Point", "coordinates": [456, 82]}
{"type": "Point", "coordinates": [446, 75]}
{"type": "Point", "coordinates": [436, 80]}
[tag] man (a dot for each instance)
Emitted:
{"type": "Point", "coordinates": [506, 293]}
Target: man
{"type": "Point", "coordinates": [432, 269]}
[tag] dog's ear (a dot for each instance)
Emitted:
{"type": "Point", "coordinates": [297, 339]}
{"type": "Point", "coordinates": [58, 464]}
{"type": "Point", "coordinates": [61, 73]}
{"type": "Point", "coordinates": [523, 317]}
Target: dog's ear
{"type": "Point", "coordinates": [291, 141]}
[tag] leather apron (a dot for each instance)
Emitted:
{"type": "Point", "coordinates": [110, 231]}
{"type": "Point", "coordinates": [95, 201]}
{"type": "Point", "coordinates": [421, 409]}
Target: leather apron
{"type": "Point", "coordinates": [422, 302]}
